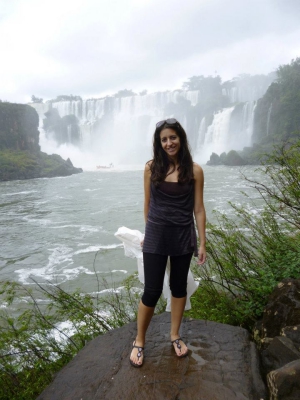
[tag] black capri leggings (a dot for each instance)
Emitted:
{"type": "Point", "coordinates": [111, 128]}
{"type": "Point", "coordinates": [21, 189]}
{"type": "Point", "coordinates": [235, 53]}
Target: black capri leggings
{"type": "Point", "coordinates": [154, 269]}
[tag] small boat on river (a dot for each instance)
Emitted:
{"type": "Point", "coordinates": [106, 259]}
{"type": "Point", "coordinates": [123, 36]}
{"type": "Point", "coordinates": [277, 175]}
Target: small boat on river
{"type": "Point", "coordinates": [111, 165]}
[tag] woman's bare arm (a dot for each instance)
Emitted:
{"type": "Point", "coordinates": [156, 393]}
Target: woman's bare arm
{"type": "Point", "coordinates": [147, 183]}
{"type": "Point", "coordinates": [199, 211]}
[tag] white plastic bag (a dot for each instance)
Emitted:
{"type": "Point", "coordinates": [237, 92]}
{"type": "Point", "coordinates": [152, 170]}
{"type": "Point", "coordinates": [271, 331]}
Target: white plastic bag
{"type": "Point", "coordinates": [132, 246]}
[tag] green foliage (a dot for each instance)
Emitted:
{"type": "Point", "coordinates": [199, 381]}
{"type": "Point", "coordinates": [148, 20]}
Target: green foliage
{"type": "Point", "coordinates": [214, 159]}
{"type": "Point", "coordinates": [253, 251]}
{"type": "Point", "coordinates": [208, 84]}
{"type": "Point", "coordinates": [35, 344]}
{"type": "Point", "coordinates": [211, 98]}
{"type": "Point", "coordinates": [17, 165]}
{"type": "Point", "coordinates": [17, 160]}
{"type": "Point", "coordinates": [27, 165]}
{"type": "Point", "coordinates": [233, 158]}
{"type": "Point", "coordinates": [282, 103]}
{"type": "Point", "coordinates": [65, 97]}
{"type": "Point", "coordinates": [125, 93]}
{"type": "Point", "coordinates": [36, 99]}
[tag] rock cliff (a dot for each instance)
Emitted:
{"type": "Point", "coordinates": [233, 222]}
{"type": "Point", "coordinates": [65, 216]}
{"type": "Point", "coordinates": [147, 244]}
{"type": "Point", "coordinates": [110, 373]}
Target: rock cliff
{"type": "Point", "coordinates": [20, 155]}
{"type": "Point", "coordinates": [18, 127]}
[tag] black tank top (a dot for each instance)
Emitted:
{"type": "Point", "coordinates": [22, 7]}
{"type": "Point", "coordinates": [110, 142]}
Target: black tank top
{"type": "Point", "coordinates": [170, 227]}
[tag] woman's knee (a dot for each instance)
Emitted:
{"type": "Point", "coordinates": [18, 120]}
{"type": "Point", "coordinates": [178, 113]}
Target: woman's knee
{"type": "Point", "coordinates": [151, 296]}
{"type": "Point", "coordinates": [178, 292]}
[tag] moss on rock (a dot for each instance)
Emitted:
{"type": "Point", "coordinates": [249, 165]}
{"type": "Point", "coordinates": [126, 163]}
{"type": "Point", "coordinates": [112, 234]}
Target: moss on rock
{"type": "Point", "coordinates": [26, 165]}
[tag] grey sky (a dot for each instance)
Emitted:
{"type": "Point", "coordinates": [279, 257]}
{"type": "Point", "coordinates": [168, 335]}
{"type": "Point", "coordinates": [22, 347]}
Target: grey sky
{"type": "Point", "coordinates": [97, 47]}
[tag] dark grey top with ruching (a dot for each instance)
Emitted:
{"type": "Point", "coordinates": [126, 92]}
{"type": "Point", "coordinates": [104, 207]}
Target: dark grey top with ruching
{"type": "Point", "coordinates": [170, 226]}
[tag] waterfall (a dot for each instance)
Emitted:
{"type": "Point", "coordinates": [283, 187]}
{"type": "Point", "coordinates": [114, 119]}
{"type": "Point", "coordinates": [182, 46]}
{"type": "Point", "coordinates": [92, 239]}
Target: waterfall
{"type": "Point", "coordinates": [217, 132]}
{"type": "Point", "coordinates": [233, 95]}
{"type": "Point", "coordinates": [251, 125]}
{"type": "Point", "coordinates": [268, 119]}
{"type": "Point", "coordinates": [216, 136]}
{"type": "Point", "coordinates": [119, 130]}
{"type": "Point", "coordinates": [201, 134]}
{"type": "Point", "coordinates": [69, 133]}
{"type": "Point", "coordinates": [68, 107]}
{"type": "Point", "coordinates": [248, 119]}
{"type": "Point", "coordinates": [193, 96]}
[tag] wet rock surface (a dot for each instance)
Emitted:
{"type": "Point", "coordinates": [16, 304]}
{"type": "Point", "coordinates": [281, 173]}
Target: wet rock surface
{"type": "Point", "coordinates": [222, 364]}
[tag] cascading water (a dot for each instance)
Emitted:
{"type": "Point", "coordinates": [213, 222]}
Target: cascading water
{"type": "Point", "coordinates": [201, 134]}
{"type": "Point", "coordinates": [268, 118]}
{"type": "Point", "coordinates": [216, 137]}
{"type": "Point", "coordinates": [218, 131]}
{"type": "Point", "coordinates": [119, 130]}
{"type": "Point", "coordinates": [248, 119]}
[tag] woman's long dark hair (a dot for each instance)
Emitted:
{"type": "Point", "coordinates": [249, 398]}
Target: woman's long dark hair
{"type": "Point", "coordinates": [161, 163]}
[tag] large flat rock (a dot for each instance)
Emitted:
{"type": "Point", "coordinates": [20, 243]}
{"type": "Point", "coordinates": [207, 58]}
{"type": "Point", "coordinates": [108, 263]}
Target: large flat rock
{"type": "Point", "coordinates": [222, 365]}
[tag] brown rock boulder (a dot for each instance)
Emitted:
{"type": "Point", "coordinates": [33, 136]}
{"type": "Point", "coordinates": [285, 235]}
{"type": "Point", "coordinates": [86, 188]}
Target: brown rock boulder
{"type": "Point", "coordinates": [281, 351]}
{"type": "Point", "coordinates": [284, 383]}
{"type": "Point", "coordinates": [222, 364]}
{"type": "Point", "coordinates": [293, 333]}
{"type": "Point", "coordinates": [283, 309]}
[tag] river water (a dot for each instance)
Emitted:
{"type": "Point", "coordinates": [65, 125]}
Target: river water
{"type": "Point", "coordinates": [61, 230]}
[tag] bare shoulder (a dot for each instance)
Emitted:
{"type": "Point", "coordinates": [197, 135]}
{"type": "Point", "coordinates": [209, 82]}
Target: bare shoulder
{"type": "Point", "coordinates": [198, 171]}
{"type": "Point", "coordinates": [147, 170]}
{"type": "Point", "coordinates": [148, 165]}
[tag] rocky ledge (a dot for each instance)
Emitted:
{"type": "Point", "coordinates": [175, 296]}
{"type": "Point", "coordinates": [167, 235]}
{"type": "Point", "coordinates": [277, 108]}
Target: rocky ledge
{"type": "Point", "coordinates": [278, 337]}
{"type": "Point", "coordinates": [222, 364]}
{"type": "Point", "coordinates": [20, 155]}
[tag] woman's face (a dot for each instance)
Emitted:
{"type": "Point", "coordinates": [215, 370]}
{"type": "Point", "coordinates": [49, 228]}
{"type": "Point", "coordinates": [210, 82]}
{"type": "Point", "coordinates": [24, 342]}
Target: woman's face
{"type": "Point", "coordinates": [170, 142]}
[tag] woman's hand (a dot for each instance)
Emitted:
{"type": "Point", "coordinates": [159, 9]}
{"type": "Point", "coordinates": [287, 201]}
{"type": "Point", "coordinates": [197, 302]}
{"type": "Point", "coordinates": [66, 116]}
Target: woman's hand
{"type": "Point", "coordinates": [142, 243]}
{"type": "Point", "coordinates": [201, 255]}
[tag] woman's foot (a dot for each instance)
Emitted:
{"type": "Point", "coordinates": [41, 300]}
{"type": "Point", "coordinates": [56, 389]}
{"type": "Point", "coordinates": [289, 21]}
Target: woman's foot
{"type": "Point", "coordinates": [137, 355]}
{"type": "Point", "coordinates": [180, 348]}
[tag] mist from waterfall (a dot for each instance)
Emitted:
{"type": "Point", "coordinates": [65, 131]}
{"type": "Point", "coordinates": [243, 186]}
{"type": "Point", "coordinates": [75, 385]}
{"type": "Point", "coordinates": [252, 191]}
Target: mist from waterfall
{"type": "Point", "coordinates": [119, 131]}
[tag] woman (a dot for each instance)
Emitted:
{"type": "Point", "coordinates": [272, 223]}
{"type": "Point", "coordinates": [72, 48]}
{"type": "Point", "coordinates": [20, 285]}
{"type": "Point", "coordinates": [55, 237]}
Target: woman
{"type": "Point", "coordinates": [173, 187]}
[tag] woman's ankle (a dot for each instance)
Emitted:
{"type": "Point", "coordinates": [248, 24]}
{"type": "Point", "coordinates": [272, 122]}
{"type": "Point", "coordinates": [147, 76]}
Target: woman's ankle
{"type": "Point", "coordinates": [174, 336]}
{"type": "Point", "coordinates": [139, 341]}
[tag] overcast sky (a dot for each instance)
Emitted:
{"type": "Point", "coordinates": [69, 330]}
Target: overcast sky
{"type": "Point", "coordinates": [96, 47]}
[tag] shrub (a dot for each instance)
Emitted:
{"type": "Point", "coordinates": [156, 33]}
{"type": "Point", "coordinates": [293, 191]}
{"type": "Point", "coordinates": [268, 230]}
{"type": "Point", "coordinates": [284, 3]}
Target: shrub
{"type": "Point", "coordinates": [251, 252]}
{"type": "Point", "coordinates": [37, 343]}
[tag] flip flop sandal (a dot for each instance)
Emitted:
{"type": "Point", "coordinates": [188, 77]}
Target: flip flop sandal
{"type": "Point", "coordinates": [176, 341]}
{"type": "Point", "coordinates": [139, 354]}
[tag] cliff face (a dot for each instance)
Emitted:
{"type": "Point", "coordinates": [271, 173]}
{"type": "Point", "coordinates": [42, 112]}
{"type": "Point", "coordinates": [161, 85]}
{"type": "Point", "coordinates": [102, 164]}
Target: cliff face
{"type": "Point", "coordinates": [20, 155]}
{"type": "Point", "coordinates": [18, 127]}
{"type": "Point", "coordinates": [277, 116]}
